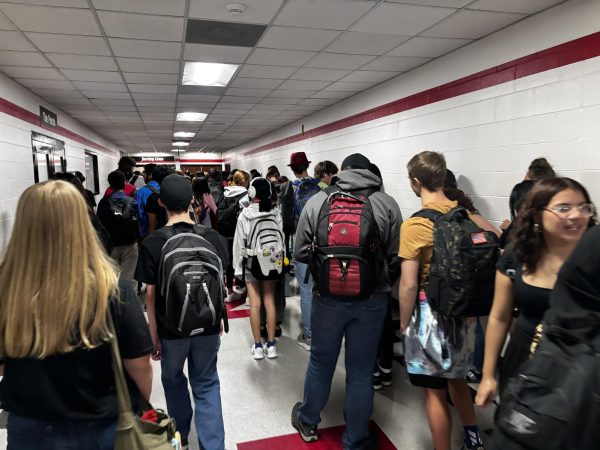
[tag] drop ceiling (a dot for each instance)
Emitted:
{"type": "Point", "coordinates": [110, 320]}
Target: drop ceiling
{"type": "Point", "coordinates": [116, 65]}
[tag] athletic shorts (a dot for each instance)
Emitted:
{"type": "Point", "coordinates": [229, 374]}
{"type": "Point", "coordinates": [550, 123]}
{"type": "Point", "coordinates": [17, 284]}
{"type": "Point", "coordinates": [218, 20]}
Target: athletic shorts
{"type": "Point", "coordinates": [428, 381]}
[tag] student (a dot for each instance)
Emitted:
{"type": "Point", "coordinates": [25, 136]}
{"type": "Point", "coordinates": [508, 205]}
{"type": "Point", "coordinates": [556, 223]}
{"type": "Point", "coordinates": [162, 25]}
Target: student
{"type": "Point", "coordinates": [324, 172]}
{"type": "Point", "coordinates": [540, 169]}
{"type": "Point", "coordinates": [340, 311]}
{"type": "Point", "coordinates": [556, 213]}
{"type": "Point", "coordinates": [215, 184]}
{"type": "Point", "coordinates": [143, 194]}
{"type": "Point", "coordinates": [91, 199]}
{"type": "Point", "coordinates": [233, 201]}
{"type": "Point", "coordinates": [118, 213]}
{"type": "Point", "coordinates": [156, 214]}
{"type": "Point", "coordinates": [259, 234]}
{"type": "Point", "coordinates": [55, 297]}
{"type": "Point", "coordinates": [427, 366]}
{"type": "Point", "coordinates": [205, 210]}
{"type": "Point", "coordinates": [126, 165]}
{"type": "Point", "coordinates": [517, 198]}
{"type": "Point", "coordinates": [172, 345]}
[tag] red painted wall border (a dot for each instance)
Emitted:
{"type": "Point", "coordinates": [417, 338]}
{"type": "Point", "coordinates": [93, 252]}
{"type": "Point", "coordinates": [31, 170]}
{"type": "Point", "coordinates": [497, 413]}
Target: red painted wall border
{"type": "Point", "coordinates": [23, 114]}
{"type": "Point", "coordinates": [561, 55]}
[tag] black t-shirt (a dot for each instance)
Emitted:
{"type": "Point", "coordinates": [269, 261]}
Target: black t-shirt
{"type": "Point", "coordinates": [79, 385]}
{"type": "Point", "coordinates": [149, 261]}
{"type": "Point", "coordinates": [153, 207]}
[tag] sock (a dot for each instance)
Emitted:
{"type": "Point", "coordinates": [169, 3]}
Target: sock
{"type": "Point", "coordinates": [258, 344]}
{"type": "Point", "coordinates": [472, 436]}
{"type": "Point", "coordinates": [270, 343]}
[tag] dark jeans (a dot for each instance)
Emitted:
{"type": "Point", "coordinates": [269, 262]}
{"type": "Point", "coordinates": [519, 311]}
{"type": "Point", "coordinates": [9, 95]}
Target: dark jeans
{"type": "Point", "coordinates": [360, 323]}
{"type": "Point", "coordinates": [388, 337]}
{"type": "Point", "coordinates": [33, 434]}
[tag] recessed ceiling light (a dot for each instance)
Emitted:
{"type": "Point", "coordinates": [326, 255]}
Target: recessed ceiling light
{"type": "Point", "coordinates": [184, 134]}
{"type": "Point", "coordinates": [180, 144]}
{"type": "Point", "coordinates": [178, 150]}
{"type": "Point", "coordinates": [191, 116]}
{"type": "Point", "coordinates": [208, 74]}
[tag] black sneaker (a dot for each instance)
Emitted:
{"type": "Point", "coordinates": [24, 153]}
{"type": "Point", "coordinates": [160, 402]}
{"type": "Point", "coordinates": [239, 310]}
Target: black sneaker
{"type": "Point", "coordinates": [385, 375]}
{"type": "Point", "coordinates": [308, 433]}
{"type": "Point", "coordinates": [377, 386]}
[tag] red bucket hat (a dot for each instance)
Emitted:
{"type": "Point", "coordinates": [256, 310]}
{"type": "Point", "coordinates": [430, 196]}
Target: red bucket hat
{"type": "Point", "coordinates": [298, 159]}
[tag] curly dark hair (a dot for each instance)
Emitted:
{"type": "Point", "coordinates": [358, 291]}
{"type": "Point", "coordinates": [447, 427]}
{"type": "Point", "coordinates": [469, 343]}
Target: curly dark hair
{"type": "Point", "coordinates": [529, 244]}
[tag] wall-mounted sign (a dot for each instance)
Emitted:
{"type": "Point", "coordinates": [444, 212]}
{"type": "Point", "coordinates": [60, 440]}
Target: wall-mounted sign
{"type": "Point", "coordinates": [153, 159]}
{"type": "Point", "coordinates": [48, 117]}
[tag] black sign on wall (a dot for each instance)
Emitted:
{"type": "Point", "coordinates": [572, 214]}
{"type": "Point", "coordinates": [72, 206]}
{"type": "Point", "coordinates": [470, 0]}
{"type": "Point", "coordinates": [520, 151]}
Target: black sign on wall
{"type": "Point", "coordinates": [153, 159]}
{"type": "Point", "coordinates": [48, 117]}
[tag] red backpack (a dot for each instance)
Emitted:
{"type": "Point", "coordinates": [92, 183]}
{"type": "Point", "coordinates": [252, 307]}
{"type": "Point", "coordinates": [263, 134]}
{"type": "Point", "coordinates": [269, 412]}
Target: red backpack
{"type": "Point", "coordinates": [346, 260]}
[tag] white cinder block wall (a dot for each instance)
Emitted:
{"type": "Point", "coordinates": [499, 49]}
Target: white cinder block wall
{"type": "Point", "coordinates": [488, 136]}
{"type": "Point", "coordinates": [16, 161]}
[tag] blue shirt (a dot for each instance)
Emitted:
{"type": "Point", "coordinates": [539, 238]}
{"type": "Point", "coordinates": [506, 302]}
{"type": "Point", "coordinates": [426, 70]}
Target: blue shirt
{"type": "Point", "coordinates": [142, 198]}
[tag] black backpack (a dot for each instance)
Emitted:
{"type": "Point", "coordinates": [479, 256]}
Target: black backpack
{"type": "Point", "coordinates": [122, 223]}
{"type": "Point", "coordinates": [554, 401]}
{"type": "Point", "coordinates": [346, 260]}
{"type": "Point", "coordinates": [287, 201]}
{"type": "Point", "coordinates": [191, 282]}
{"type": "Point", "coordinates": [463, 265]}
{"type": "Point", "coordinates": [227, 214]}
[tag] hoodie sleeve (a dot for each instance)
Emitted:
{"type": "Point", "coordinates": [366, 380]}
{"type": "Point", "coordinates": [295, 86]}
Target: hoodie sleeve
{"type": "Point", "coordinates": [389, 219]}
{"type": "Point", "coordinates": [306, 225]}
{"type": "Point", "coordinates": [238, 246]}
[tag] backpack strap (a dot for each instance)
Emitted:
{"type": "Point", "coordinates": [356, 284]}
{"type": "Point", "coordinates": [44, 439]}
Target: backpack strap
{"type": "Point", "coordinates": [428, 213]}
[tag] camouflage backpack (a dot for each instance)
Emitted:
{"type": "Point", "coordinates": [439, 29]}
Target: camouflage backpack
{"type": "Point", "coordinates": [463, 265]}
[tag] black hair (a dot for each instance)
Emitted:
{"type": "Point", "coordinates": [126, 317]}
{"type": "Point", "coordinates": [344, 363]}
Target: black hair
{"type": "Point", "coordinates": [150, 168]}
{"type": "Point", "coordinates": [299, 170]}
{"type": "Point", "coordinates": [517, 197]}
{"type": "Point", "coordinates": [273, 171]}
{"type": "Point", "coordinates": [540, 169]}
{"type": "Point", "coordinates": [160, 173]}
{"type": "Point", "coordinates": [200, 187]}
{"type": "Point", "coordinates": [116, 180]}
{"type": "Point", "coordinates": [462, 199]}
{"type": "Point", "coordinates": [126, 161]}
{"type": "Point", "coordinates": [450, 181]}
{"type": "Point", "coordinates": [255, 174]}
{"type": "Point", "coordinates": [264, 192]}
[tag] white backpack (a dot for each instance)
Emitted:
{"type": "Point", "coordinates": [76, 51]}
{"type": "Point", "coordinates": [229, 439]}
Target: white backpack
{"type": "Point", "coordinates": [264, 248]}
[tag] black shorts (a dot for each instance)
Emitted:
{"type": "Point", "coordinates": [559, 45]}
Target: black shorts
{"type": "Point", "coordinates": [427, 381]}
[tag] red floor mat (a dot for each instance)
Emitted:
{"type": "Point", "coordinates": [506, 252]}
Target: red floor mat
{"type": "Point", "coordinates": [237, 310]}
{"type": "Point", "coordinates": [329, 439]}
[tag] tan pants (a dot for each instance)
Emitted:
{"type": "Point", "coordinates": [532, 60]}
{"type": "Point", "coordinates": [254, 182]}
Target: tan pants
{"type": "Point", "coordinates": [126, 257]}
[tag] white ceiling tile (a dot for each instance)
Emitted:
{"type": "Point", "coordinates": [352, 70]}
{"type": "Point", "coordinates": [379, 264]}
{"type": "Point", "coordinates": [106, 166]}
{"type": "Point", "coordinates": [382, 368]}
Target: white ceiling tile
{"type": "Point", "coordinates": [13, 40]}
{"type": "Point", "coordinates": [199, 98]}
{"type": "Point", "coordinates": [252, 71]}
{"type": "Point", "coordinates": [240, 99]}
{"type": "Point", "coordinates": [348, 86]}
{"type": "Point", "coordinates": [264, 83]}
{"type": "Point", "coordinates": [66, 3]}
{"type": "Point", "coordinates": [446, 3]}
{"type": "Point", "coordinates": [5, 23]}
{"type": "Point", "coordinates": [141, 26]}
{"type": "Point", "coordinates": [304, 85]}
{"type": "Point", "coordinates": [136, 48]}
{"type": "Point", "coordinates": [85, 62]}
{"type": "Point", "coordinates": [159, 7]}
{"type": "Point", "coordinates": [31, 72]}
{"type": "Point", "coordinates": [307, 73]}
{"type": "Point", "coordinates": [365, 43]}
{"type": "Point", "coordinates": [63, 93]}
{"type": "Point", "coordinates": [215, 53]}
{"type": "Point", "coordinates": [92, 75]}
{"type": "Point", "coordinates": [326, 14]}
{"type": "Point", "coordinates": [153, 96]}
{"type": "Point", "coordinates": [338, 61]}
{"type": "Point", "coordinates": [256, 11]}
{"type": "Point", "coordinates": [279, 101]}
{"type": "Point", "coordinates": [105, 102]}
{"type": "Point", "coordinates": [266, 56]}
{"type": "Point", "coordinates": [35, 83]}
{"type": "Point", "coordinates": [369, 76]}
{"type": "Point", "coordinates": [319, 101]}
{"type": "Point", "coordinates": [392, 18]}
{"type": "Point", "coordinates": [516, 6]}
{"type": "Point", "coordinates": [46, 19]}
{"type": "Point", "coordinates": [151, 78]}
{"type": "Point", "coordinates": [267, 107]}
{"type": "Point", "coordinates": [116, 108]}
{"type": "Point", "coordinates": [395, 63]}
{"type": "Point", "coordinates": [292, 93]}
{"type": "Point", "coordinates": [148, 65]}
{"type": "Point", "coordinates": [472, 24]}
{"type": "Point", "coordinates": [333, 94]}
{"type": "Point", "coordinates": [97, 86]}
{"type": "Point", "coordinates": [290, 38]}
{"type": "Point", "coordinates": [428, 47]}
{"type": "Point", "coordinates": [153, 88]}
{"type": "Point", "coordinates": [248, 92]}
{"type": "Point", "coordinates": [30, 59]}
{"type": "Point", "coordinates": [62, 43]}
{"type": "Point", "coordinates": [103, 94]}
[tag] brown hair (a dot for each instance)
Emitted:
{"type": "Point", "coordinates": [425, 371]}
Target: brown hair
{"type": "Point", "coordinates": [540, 169]}
{"type": "Point", "coordinates": [429, 168]}
{"type": "Point", "coordinates": [529, 243]}
{"type": "Point", "coordinates": [240, 178]}
{"type": "Point", "coordinates": [325, 167]}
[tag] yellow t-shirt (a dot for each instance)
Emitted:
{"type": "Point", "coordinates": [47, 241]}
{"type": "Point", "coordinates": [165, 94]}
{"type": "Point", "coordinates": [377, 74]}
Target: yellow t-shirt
{"type": "Point", "coordinates": [416, 238]}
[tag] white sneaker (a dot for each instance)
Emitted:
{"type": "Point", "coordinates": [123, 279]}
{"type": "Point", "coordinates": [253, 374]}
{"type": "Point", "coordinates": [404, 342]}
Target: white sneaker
{"type": "Point", "coordinates": [233, 297]}
{"type": "Point", "coordinates": [271, 352]}
{"type": "Point", "coordinates": [257, 352]}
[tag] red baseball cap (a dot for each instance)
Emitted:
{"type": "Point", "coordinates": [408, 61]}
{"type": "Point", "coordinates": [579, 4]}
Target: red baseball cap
{"type": "Point", "coordinates": [298, 159]}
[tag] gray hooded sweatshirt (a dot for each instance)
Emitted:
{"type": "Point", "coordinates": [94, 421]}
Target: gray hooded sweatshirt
{"type": "Point", "coordinates": [385, 210]}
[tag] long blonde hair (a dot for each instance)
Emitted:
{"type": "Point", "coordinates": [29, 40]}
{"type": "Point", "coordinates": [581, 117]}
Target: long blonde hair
{"type": "Point", "coordinates": [55, 279]}
{"type": "Point", "coordinates": [240, 178]}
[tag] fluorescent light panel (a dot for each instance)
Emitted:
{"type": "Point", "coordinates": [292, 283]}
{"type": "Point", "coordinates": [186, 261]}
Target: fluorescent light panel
{"type": "Point", "coordinates": [180, 144]}
{"type": "Point", "coordinates": [207, 74]}
{"type": "Point", "coordinates": [178, 150]}
{"type": "Point", "coordinates": [191, 116]}
{"type": "Point", "coordinates": [184, 134]}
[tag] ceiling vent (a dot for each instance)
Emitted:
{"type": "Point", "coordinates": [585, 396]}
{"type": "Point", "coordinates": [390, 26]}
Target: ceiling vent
{"type": "Point", "coordinates": [236, 8]}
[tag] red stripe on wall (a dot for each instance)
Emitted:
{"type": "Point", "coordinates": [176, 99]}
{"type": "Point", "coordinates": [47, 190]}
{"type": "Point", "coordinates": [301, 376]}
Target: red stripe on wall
{"type": "Point", "coordinates": [23, 114]}
{"type": "Point", "coordinates": [561, 55]}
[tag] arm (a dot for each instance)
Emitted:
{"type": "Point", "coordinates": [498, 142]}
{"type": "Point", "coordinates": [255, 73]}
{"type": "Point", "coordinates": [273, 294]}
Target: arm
{"type": "Point", "coordinates": [485, 225]}
{"type": "Point", "coordinates": [150, 297]}
{"type": "Point", "coordinates": [140, 371]}
{"type": "Point", "coordinates": [407, 293]}
{"type": "Point", "coordinates": [304, 233]}
{"type": "Point", "coordinates": [151, 222]}
{"type": "Point", "coordinates": [495, 336]}
{"type": "Point", "coordinates": [238, 247]}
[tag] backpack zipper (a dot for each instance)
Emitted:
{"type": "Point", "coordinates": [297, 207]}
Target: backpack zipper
{"type": "Point", "coordinates": [185, 305]}
{"type": "Point", "coordinates": [210, 303]}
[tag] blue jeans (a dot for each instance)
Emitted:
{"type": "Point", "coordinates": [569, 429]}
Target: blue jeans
{"type": "Point", "coordinates": [306, 296]}
{"type": "Point", "coordinates": [361, 323]}
{"type": "Point", "coordinates": [33, 434]}
{"type": "Point", "coordinates": [479, 346]}
{"type": "Point", "coordinates": [201, 354]}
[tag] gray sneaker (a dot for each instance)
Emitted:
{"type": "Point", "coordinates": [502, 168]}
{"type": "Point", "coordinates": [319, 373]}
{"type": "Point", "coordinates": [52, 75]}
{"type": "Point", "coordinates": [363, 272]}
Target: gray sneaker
{"type": "Point", "coordinates": [304, 342]}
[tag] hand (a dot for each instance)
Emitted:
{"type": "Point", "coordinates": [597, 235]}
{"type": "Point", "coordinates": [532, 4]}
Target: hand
{"type": "Point", "coordinates": [488, 388]}
{"type": "Point", "coordinates": [504, 225]}
{"type": "Point", "coordinates": [157, 355]}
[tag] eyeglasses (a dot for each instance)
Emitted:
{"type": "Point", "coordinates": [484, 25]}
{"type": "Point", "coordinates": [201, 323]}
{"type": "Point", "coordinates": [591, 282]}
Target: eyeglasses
{"type": "Point", "coordinates": [564, 211]}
